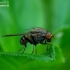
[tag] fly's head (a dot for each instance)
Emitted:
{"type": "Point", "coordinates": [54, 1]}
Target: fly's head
{"type": "Point", "coordinates": [49, 37]}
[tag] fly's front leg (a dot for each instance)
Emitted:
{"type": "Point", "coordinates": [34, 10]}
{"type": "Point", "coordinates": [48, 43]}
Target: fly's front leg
{"type": "Point", "coordinates": [44, 42]}
{"type": "Point", "coordinates": [48, 45]}
{"type": "Point", "coordinates": [48, 50]}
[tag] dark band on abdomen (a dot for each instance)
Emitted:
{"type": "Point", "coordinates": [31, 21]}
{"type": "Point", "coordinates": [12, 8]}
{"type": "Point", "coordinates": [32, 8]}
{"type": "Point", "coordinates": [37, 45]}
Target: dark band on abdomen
{"type": "Point", "coordinates": [22, 40]}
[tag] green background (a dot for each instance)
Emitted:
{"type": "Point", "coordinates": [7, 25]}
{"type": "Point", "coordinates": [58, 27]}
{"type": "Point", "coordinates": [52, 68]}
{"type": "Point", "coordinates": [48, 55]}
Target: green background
{"type": "Point", "coordinates": [23, 15]}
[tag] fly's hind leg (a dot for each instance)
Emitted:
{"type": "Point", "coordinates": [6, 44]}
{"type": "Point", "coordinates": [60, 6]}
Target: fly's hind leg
{"type": "Point", "coordinates": [22, 48]}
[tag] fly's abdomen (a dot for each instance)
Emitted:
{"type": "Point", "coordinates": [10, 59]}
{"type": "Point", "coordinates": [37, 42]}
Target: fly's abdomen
{"type": "Point", "coordinates": [23, 41]}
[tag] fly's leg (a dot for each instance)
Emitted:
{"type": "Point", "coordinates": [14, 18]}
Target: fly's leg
{"type": "Point", "coordinates": [22, 48]}
{"type": "Point", "coordinates": [43, 42]}
{"type": "Point", "coordinates": [34, 43]}
{"type": "Point", "coordinates": [48, 49]}
{"type": "Point", "coordinates": [33, 49]}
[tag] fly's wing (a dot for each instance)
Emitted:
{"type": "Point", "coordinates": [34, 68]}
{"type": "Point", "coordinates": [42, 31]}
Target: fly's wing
{"type": "Point", "coordinates": [11, 35]}
{"type": "Point", "coordinates": [38, 34]}
{"type": "Point", "coordinates": [38, 31]}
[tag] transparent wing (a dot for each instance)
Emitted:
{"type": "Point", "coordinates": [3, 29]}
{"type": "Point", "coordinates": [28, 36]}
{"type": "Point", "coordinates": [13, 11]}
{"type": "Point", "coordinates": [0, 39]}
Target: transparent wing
{"type": "Point", "coordinates": [12, 35]}
{"type": "Point", "coordinates": [38, 31]}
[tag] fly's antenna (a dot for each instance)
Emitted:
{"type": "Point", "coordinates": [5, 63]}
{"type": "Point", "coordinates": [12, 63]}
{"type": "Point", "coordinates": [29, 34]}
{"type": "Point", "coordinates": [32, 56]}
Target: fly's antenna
{"type": "Point", "coordinates": [11, 35]}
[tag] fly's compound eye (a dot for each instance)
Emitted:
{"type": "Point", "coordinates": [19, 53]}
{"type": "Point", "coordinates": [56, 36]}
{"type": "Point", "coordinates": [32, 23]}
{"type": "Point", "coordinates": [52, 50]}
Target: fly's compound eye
{"type": "Point", "coordinates": [49, 35]}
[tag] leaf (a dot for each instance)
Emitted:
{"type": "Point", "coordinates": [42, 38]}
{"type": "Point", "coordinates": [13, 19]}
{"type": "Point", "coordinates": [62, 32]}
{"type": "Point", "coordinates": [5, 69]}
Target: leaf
{"type": "Point", "coordinates": [42, 57]}
{"type": "Point", "coordinates": [63, 40]}
{"type": "Point", "coordinates": [20, 60]}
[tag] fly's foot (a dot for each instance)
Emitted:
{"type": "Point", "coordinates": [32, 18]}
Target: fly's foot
{"type": "Point", "coordinates": [32, 52]}
{"type": "Point", "coordinates": [50, 56]}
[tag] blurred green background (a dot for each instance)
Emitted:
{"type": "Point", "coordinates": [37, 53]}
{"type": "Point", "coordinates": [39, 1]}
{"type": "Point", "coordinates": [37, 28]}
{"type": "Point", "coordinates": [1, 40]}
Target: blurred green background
{"type": "Point", "coordinates": [22, 15]}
